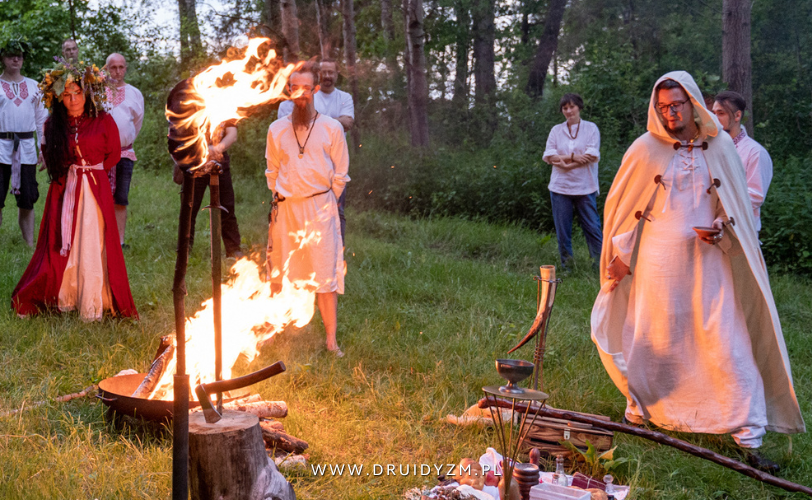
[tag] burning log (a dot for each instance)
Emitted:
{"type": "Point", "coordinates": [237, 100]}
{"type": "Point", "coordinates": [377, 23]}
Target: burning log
{"type": "Point", "coordinates": [228, 460]}
{"type": "Point", "coordinates": [166, 351]}
{"type": "Point", "coordinates": [279, 439]}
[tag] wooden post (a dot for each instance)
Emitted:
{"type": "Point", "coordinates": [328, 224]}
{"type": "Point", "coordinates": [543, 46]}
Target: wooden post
{"type": "Point", "coordinates": [228, 461]}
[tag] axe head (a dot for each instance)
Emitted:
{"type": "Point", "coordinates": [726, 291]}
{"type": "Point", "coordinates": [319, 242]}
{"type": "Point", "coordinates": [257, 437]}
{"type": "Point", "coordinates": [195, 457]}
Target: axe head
{"type": "Point", "coordinates": [209, 411]}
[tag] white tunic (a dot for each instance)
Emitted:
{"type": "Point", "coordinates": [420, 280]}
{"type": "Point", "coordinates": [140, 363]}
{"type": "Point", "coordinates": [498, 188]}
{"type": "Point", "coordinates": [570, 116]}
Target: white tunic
{"type": "Point", "coordinates": [306, 236]}
{"type": "Point", "coordinates": [689, 355]}
{"type": "Point", "coordinates": [21, 110]}
{"type": "Point", "coordinates": [758, 167]}
{"type": "Point", "coordinates": [336, 103]}
{"type": "Point", "coordinates": [128, 113]}
{"type": "Point", "coordinates": [583, 140]}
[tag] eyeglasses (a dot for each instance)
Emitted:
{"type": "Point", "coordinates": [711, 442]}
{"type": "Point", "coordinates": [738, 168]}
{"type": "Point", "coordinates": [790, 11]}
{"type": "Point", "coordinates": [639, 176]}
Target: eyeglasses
{"type": "Point", "coordinates": [674, 106]}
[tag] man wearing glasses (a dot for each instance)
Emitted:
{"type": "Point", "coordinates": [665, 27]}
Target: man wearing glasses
{"type": "Point", "coordinates": [307, 162]}
{"type": "Point", "coordinates": [685, 321]}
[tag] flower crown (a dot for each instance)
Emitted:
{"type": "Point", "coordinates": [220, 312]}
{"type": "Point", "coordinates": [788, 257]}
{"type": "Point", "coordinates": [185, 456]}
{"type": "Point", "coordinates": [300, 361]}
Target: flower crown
{"type": "Point", "coordinates": [91, 79]}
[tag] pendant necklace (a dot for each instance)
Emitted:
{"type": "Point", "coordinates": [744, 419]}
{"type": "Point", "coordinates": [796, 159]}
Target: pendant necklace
{"type": "Point", "coordinates": [302, 146]}
{"type": "Point", "coordinates": [577, 129]}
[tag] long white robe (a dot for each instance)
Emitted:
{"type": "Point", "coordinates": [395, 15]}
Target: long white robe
{"type": "Point", "coordinates": [683, 366]}
{"type": "Point", "coordinates": [691, 364]}
{"type": "Point", "coordinates": [306, 239]}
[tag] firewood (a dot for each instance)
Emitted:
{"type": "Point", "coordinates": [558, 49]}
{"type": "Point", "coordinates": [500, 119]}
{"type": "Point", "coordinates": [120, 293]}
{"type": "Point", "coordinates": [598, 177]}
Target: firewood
{"type": "Point", "coordinates": [273, 424]}
{"type": "Point", "coordinates": [156, 371]}
{"type": "Point", "coordinates": [281, 440]}
{"type": "Point", "coordinates": [262, 409]}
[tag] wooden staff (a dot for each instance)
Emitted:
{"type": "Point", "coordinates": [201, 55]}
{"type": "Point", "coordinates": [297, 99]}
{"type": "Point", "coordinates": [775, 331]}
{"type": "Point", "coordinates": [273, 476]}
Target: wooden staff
{"type": "Point", "coordinates": [657, 437]}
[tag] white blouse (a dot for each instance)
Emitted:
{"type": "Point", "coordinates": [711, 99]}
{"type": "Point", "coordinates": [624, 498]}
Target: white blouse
{"type": "Point", "coordinates": [585, 139]}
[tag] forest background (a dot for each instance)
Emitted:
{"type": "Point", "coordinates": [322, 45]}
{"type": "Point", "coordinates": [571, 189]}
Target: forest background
{"type": "Point", "coordinates": [455, 98]}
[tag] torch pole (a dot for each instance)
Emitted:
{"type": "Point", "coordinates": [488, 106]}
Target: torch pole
{"type": "Point", "coordinates": [216, 279]}
{"type": "Point", "coordinates": [180, 412]}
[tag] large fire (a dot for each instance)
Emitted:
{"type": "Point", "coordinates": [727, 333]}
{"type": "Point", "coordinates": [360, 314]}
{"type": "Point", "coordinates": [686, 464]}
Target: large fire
{"type": "Point", "coordinates": [251, 313]}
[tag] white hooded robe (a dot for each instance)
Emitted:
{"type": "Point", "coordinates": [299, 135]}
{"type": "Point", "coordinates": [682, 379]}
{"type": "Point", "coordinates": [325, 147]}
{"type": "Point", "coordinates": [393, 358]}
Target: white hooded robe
{"type": "Point", "coordinates": [692, 336]}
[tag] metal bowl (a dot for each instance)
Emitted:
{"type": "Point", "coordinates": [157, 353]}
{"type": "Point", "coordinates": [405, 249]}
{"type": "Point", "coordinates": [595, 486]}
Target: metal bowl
{"type": "Point", "coordinates": [514, 371]}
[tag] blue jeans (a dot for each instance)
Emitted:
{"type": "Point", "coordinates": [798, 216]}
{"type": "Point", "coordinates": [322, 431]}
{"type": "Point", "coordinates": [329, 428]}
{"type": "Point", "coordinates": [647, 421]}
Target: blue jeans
{"type": "Point", "coordinates": [564, 206]}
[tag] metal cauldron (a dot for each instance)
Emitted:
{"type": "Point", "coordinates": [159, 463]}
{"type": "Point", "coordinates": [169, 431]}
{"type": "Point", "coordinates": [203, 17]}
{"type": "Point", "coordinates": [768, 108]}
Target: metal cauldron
{"type": "Point", "coordinates": [116, 393]}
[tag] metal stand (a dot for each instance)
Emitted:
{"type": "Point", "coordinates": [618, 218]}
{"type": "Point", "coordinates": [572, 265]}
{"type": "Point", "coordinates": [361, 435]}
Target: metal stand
{"type": "Point", "coordinates": [180, 412]}
{"type": "Point", "coordinates": [509, 446]}
{"type": "Point", "coordinates": [216, 277]}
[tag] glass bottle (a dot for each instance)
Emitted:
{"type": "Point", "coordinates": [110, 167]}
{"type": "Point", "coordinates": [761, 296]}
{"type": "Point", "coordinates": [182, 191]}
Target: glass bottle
{"type": "Point", "coordinates": [610, 487]}
{"type": "Point", "coordinates": [560, 475]}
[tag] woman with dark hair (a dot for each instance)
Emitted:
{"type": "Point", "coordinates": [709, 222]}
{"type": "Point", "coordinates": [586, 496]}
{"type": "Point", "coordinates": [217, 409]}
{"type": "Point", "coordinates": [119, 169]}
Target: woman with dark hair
{"type": "Point", "coordinates": [78, 264]}
{"type": "Point", "coordinates": [573, 149]}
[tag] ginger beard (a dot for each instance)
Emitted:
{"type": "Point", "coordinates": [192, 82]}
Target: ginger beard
{"type": "Point", "coordinates": [303, 82]}
{"type": "Point", "coordinates": [301, 112]}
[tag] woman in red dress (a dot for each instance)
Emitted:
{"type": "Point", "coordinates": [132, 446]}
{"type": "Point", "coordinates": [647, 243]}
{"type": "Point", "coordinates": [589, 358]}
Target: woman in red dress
{"type": "Point", "coordinates": [78, 263]}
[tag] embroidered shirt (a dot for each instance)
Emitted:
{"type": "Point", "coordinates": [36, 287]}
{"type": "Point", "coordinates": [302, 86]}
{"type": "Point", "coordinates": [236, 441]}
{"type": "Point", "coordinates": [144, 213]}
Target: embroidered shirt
{"type": "Point", "coordinates": [21, 110]}
{"type": "Point", "coordinates": [127, 109]}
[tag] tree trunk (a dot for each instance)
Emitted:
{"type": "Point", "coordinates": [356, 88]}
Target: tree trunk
{"type": "Point", "coordinates": [269, 17]}
{"type": "Point", "coordinates": [227, 460]}
{"type": "Point", "coordinates": [190, 44]}
{"type": "Point", "coordinates": [548, 43]}
{"type": "Point", "coordinates": [736, 62]}
{"type": "Point", "coordinates": [482, 12]}
{"type": "Point", "coordinates": [462, 47]}
{"type": "Point", "coordinates": [348, 12]}
{"type": "Point", "coordinates": [416, 66]}
{"type": "Point", "coordinates": [290, 29]}
{"type": "Point", "coordinates": [324, 35]}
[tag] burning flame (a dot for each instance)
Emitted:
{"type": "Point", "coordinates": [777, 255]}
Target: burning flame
{"type": "Point", "coordinates": [251, 314]}
{"type": "Point", "coordinates": [227, 91]}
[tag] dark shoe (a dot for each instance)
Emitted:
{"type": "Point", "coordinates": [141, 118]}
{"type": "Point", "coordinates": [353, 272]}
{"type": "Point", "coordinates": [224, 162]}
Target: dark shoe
{"type": "Point", "coordinates": [125, 246]}
{"type": "Point", "coordinates": [236, 255]}
{"type": "Point", "coordinates": [762, 463]}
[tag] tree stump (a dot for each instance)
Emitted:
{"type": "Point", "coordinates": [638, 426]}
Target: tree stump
{"type": "Point", "coordinates": [227, 461]}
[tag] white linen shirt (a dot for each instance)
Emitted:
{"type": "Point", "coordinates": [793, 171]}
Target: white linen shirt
{"type": "Point", "coordinates": [758, 168]}
{"type": "Point", "coordinates": [580, 180]}
{"type": "Point", "coordinates": [128, 113]}
{"type": "Point", "coordinates": [21, 110]}
{"type": "Point", "coordinates": [324, 164]}
{"type": "Point", "coordinates": [336, 103]}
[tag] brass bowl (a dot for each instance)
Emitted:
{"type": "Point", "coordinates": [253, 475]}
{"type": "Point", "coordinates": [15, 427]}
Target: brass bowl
{"type": "Point", "coordinates": [514, 371]}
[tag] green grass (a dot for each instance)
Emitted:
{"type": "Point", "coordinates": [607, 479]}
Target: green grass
{"type": "Point", "coordinates": [429, 305]}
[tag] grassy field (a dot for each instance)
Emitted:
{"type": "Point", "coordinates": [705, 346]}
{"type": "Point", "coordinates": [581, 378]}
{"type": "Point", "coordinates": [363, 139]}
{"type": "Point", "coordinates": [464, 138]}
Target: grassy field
{"type": "Point", "coordinates": [429, 305]}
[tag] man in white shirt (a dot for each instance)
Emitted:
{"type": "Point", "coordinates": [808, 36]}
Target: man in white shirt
{"type": "Point", "coordinates": [307, 162]}
{"type": "Point", "coordinates": [70, 50]}
{"type": "Point", "coordinates": [22, 116]}
{"type": "Point", "coordinates": [729, 107]}
{"type": "Point", "coordinates": [334, 103]}
{"type": "Point", "coordinates": [128, 112]}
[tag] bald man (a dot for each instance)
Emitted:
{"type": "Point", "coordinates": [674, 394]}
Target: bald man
{"type": "Point", "coordinates": [127, 109]}
{"type": "Point", "coordinates": [70, 50]}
